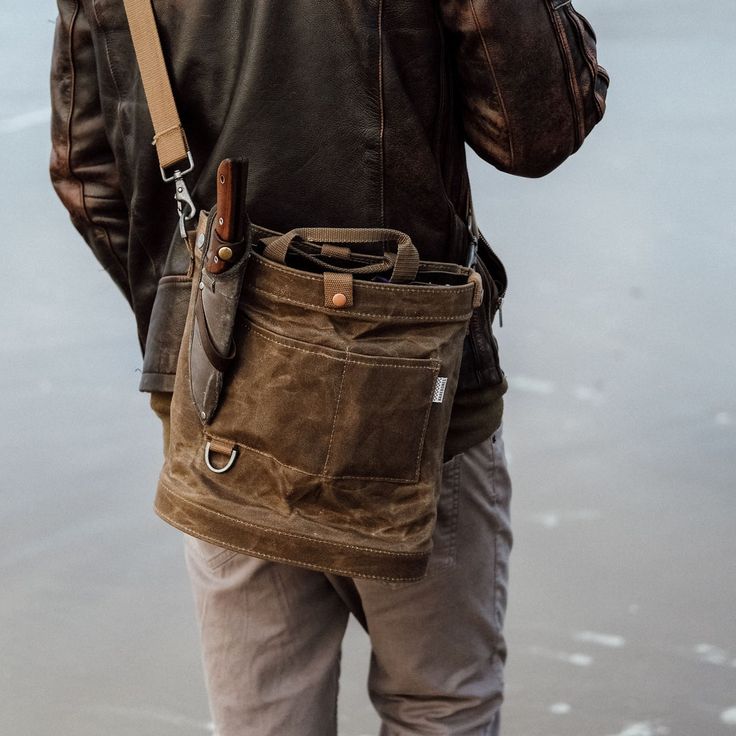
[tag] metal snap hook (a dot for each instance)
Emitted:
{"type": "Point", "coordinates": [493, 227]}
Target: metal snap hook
{"type": "Point", "coordinates": [208, 463]}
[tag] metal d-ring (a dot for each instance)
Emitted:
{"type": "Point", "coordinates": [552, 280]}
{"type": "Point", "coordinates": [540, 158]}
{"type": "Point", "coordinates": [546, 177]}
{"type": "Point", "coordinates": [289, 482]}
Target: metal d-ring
{"type": "Point", "coordinates": [226, 467]}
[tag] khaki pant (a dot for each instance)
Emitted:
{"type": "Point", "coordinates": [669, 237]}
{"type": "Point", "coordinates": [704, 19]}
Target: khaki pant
{"type": "Point", "coordinates": [271, 633]}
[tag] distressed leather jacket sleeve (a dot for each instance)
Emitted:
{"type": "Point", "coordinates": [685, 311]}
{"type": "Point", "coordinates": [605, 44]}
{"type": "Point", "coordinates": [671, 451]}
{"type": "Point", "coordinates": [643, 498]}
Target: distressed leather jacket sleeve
{"type": "Point", "coordinates": [530, 85]}
{"type": "Point", "coordinates": [83, 169]}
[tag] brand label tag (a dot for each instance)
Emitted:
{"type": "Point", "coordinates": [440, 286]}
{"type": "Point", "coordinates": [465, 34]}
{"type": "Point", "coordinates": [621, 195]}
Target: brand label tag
{"type": "Point", "coordinates": [439, 389]}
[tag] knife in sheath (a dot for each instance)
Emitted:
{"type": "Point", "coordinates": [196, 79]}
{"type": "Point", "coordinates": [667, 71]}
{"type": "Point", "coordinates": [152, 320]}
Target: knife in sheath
{"type": "Point", "coordinates": [212, 346]}
{"type": "Point", "coordinates": [231, 225]}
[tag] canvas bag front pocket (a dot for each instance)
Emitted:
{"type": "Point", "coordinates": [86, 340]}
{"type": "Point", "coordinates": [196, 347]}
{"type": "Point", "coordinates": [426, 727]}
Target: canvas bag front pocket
{"type": "Point", "coordinates": [326, 412]}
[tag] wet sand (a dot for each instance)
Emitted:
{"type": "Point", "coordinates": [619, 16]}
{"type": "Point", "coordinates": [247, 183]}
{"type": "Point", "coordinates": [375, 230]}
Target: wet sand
{"type": "Point", "coordinates": [618, 341]}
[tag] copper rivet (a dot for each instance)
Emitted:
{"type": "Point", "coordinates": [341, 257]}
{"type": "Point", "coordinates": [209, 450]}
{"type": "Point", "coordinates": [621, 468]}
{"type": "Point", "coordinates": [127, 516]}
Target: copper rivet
{"type": "Point", "coordinates": [339, 300]}
{"type": "Point", "coordinates": [220, 221]}
{"type": "Point", "coordinates": [225, 253]}
{"type": "Point", "coordinates": [222, 179]}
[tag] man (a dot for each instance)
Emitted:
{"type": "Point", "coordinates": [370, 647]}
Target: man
{"type": "Point", "coordinates": [351, 113]}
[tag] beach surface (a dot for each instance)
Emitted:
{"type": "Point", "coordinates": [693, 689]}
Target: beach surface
{"type": "Point", "coordinates": [620, 424]}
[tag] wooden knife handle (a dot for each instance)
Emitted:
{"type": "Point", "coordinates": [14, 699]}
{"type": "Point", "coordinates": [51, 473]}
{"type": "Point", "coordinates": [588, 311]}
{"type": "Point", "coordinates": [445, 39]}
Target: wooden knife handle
{"type": "Point", "coordinates": [227, 184]}
{"type": "Point", "coordinates": [232, 220]}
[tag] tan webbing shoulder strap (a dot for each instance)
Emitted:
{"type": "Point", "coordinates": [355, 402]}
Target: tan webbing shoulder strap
{"type": "Point", "coordinates": [169, 139]}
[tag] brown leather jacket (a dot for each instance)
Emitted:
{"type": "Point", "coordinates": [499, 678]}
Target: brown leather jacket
{"type": "Point", "coordinates": [352, 113]}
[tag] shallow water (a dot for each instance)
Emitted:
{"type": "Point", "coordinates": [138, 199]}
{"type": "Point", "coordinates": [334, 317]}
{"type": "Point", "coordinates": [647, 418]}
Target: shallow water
{"type": "Point", "coordinates": [618, 341]}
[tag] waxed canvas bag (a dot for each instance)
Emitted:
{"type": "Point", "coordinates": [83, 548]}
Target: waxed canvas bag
{"type": "Point", "coordinates": [314, 383]}
{"type": "Point", "coordinates": [325, 445]}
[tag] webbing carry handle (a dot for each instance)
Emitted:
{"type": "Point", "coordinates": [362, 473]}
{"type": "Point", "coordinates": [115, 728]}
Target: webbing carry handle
{"type": "Point", "coordinates": [405, 261]}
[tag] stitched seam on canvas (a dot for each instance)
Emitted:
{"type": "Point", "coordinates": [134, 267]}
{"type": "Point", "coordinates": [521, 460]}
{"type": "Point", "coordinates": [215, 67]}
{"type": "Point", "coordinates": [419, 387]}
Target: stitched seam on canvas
{"type": "Point", "coordinates": [417, 466]}
{"type": "Point", "coordinates": [257, 333]}
{"type": "Point", "coordinates": [282, 533]}
{"type": "Point", "coordinates": [438, 318]}
{"type": "Point", "coordinates": [334, 418]}
{"type": "Point", "coordinates": [363, 285]}
{"type": "Point", "coordinates": [400, 481]}
{"type": "Point", "coordinates": [220, 438]}
{"type": "Point", "coordinates": [381, 108]}
{"type": "Point", "coordinates": [196, 533]}
{"type": "Point", "coordinates": [455, 509]}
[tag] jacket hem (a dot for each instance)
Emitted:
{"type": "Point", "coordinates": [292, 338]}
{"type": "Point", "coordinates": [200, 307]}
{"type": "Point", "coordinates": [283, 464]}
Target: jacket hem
{"type": "Point", "coordinates": [156, 382]}
{"type": "Point", "coordinates": [476, 415]}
